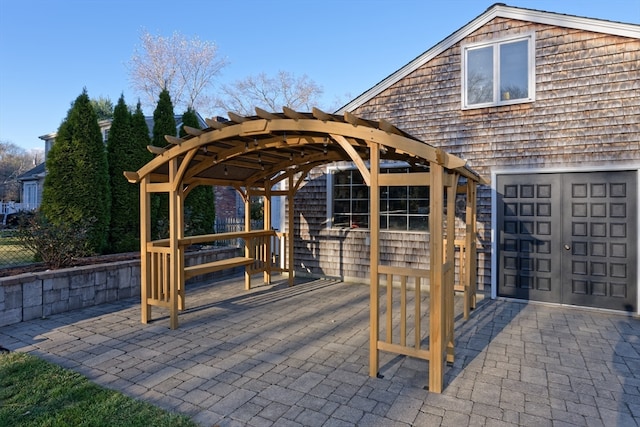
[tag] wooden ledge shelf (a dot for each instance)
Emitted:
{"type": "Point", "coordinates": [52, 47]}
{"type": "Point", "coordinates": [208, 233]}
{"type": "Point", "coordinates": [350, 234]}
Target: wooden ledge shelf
{"type": "Point", "coordinates": [206, 238]}
{"type": "Point", "coordinates": [210, 267]}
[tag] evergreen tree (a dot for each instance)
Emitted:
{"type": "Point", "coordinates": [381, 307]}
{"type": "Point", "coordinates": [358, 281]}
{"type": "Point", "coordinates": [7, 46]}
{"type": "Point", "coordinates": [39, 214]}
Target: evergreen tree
{"type": "Point", "coordinates": [103, 108]}
{"type": "Point", "coordinates": [141, 139]}
{"type": "Point", "coordinates": [126, 151]}
{"type": "Point", "coordinates": [199, 206]}
{"type": "Point", "coordinates": [140, 134]}
{"type": "Point", "coordinates": [122, 229]}
{"type": "Point", "coordinates": [76, 188]}
{"type": "Point", "coordinates": [164, 123]}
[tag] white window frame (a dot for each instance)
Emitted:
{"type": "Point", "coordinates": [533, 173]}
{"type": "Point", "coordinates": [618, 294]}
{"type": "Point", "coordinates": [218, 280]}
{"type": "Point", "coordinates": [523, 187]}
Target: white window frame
{"type": "Point", "coordinates": [30, 195]}
{"type": "Point", "coordinates": [329, 201]}
{"type": "Point", "coordinates": [495, 44]}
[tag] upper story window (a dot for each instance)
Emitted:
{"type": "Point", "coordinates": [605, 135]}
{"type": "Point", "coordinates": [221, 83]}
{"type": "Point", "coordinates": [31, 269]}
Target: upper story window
{"type": "Point", "coordinates": [498, 72]}
{"type": "Point", "coordinates": [402, 208]}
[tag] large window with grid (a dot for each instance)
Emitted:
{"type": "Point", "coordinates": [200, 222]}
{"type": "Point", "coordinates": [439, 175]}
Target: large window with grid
{"type": "Point", "coordinates": [402, 208]}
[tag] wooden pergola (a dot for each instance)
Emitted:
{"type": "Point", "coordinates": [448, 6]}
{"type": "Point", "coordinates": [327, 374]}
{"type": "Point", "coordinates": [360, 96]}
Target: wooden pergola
{"type": "Point", "coordinates": [255, 154]}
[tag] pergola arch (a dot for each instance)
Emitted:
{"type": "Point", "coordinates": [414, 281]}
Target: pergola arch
{"type": "Point", "coordinates": [253, 154]}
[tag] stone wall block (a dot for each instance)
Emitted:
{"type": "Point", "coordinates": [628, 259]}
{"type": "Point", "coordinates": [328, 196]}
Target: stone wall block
{"type": "Point", "coordinates": [51, 296]}
{"type": "Point", "coordinates": [82, 278]}
{"type": "Point", "coordinates": [32, 294]}
{"type": "Point", "coordinates": [88, 295]}
{"type": "Point", "coordinates": [10, 316]}
{"type": "Point", "coordinates": [64, 293]}
{"type": "Point", "coordinates": [100, 279]}
{"type": "Point", "coordinates": [60, 282]}
{"type": "Point", "coordinates": [100, 296]}
{"type": "Point", "coordinates": [58, 307]}
{"type": "Point", "coordinates": [30, 313]}
{"type": "Point", "coordinates": [123, 277]}
{"type": "Point", "coordinates": [74, 302]}
{"type": "Point", "coordinates": [47, 284]}
{"type": "Point", "coordinates": [13, 297]}
{"type": "Point", "coordinates": [112, 295]}
{"type": "Point", "coordinates": [124, 293]}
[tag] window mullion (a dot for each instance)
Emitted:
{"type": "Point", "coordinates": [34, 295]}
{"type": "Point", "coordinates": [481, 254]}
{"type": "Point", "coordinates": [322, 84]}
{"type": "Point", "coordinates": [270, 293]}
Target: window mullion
{"type": "Point", "coordinates": [496, 73]}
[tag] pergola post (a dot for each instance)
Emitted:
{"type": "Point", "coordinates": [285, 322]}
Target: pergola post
{"type": "Point", "coordinates": [374, 254]}
{"type": "Point", "coordinates": [179, 200]}
{"type": "Point", "coordinates": [267, 226]}
{"type": "Point", "coordinates": [437, 318]}
{"type": "Point", "coordinates": [175, 223]}
{"type": "Point", "coordinates": [247, 227]}
{"type": "Point", "coordinates": [291, 192]}
{"type": "Point", "coordinates": [145, 256]}
{"type": "Point", "coordinates": [449, 273]}
{"type": "Point", "coordinates": [470, 275]}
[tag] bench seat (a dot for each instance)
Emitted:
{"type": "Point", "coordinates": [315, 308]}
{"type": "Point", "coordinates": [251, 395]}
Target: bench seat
{"type": "Point", "coordinates": [210, 267]}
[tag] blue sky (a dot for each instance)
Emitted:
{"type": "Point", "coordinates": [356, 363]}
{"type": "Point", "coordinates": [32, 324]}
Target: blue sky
{"type": "Point", "coordinates": [51, 49]}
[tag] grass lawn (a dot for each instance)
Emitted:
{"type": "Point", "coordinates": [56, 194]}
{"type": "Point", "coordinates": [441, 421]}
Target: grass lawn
{"type": "Point", "coordinates": [37, 393]}
{"type": "Point", "coordinates": [12, 252]}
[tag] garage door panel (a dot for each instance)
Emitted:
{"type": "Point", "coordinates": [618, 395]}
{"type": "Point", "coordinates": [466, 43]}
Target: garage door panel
{"type": "Point", "coordinates": [600, 225]}
{"type": "Point", "coordinates": [526, 260]}
{"type": "Point", "coordinates": [569, 238]}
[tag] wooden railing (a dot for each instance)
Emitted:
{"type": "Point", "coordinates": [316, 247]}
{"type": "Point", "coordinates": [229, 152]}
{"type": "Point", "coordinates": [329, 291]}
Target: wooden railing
{"type": "Point", "coordinates": [405, 335]}
{"type": "Point", "coordinates": [279, 254]}
{"type": "Point", "coordinates": [402, 276]}
{"type": "Point", "coordinates": [466, 278]}
{"type": "Point", "coordinates": [159, 291]}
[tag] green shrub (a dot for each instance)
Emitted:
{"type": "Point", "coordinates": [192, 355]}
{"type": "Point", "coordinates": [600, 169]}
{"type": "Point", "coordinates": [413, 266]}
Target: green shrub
{"type": "Point", "coordinates": [55, 244]}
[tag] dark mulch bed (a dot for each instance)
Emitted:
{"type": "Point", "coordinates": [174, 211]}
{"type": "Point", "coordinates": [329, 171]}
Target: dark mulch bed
{"type": "Point", "coordinates": [102, 259]}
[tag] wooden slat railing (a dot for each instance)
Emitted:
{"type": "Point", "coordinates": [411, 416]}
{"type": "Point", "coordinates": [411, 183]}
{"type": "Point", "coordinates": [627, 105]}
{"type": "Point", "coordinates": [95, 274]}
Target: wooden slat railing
{"type": "Point", "coordinates": [398, 345]}
{"type": "Point", "coordinates": [466, 280]}
{"type": "Point", "coordinates": [397, 279]}
{"type": "Point", "coordinates": [159, 292]}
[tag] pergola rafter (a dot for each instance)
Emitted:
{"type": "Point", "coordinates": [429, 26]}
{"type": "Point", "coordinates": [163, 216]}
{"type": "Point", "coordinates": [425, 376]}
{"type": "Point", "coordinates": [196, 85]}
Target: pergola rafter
{"type": "Point", "coordinates": [254, 154]}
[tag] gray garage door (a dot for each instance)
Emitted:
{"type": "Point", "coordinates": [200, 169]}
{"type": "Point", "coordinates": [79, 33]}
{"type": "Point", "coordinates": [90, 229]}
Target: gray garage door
{"type": "Point", "coordinates": [569, 238]}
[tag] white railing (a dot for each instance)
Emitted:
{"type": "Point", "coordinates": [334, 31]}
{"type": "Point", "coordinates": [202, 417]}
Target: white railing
{"type": "Point", "coordinates": [13, 207]}
{"type": "Point", "coordinates": [8, 208]}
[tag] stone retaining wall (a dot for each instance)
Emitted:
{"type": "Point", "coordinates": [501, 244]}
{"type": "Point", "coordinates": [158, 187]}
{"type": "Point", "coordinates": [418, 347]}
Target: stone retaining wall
{"type": "Point", "coordinates": [36, 295]}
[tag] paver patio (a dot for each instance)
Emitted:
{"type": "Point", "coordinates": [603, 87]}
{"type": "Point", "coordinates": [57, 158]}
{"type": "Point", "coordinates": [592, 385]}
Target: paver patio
{"type": "Point", "coordinates": [299, 356]}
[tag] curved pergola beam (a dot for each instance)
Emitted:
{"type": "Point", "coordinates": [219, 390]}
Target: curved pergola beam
{"type": "Point", "coordinates": [248, 135]}
{"type": "Point", "coordinates": [354, 156]}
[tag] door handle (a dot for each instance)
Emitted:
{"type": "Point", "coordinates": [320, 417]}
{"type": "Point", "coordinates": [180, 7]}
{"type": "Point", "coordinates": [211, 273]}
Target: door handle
{"type": "Point", "coordinates": [567, 247]}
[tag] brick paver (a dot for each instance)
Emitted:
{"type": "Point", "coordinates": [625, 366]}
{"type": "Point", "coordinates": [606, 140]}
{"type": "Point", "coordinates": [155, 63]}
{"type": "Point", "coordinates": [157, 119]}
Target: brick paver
{"type": "Point", "coordinates": [299, 356]}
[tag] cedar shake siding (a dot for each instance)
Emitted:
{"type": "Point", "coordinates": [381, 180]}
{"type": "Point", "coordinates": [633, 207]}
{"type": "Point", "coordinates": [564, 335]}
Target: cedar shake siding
{"type": "Point", "coordinates": [586, 115]}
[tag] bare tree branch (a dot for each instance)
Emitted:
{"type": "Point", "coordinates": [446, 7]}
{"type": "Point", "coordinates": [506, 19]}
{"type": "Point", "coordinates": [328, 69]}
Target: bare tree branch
{"type": "Point", "coordinates": [185, 67]}
{"type": "Point", "coordinates": [269, 93]}
{"type": "Point", "coordinates": [14, 161]}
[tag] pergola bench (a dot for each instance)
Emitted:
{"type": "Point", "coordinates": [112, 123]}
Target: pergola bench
{"type": "Point", "coordinates": [259, 246]}
{"type": "Point", "coordinates": [257, 251]}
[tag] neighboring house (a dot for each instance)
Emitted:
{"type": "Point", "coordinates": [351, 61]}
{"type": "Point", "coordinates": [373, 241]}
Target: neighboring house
{"type": "Point", "coordinates": [31, 192]}
{"type": "Point", "coordinates": [33, 180]}
{"type": "Point", "coordinates": [548, 106]}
